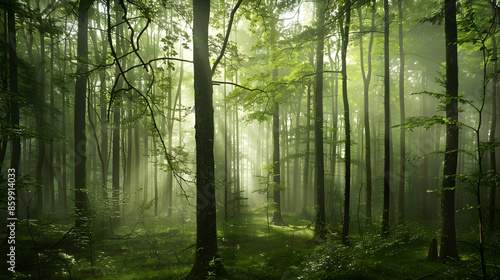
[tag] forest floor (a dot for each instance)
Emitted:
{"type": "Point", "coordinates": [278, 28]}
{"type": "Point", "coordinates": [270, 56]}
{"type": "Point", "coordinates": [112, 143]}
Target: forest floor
{"type": "Point", "coordinates": [163, 248]}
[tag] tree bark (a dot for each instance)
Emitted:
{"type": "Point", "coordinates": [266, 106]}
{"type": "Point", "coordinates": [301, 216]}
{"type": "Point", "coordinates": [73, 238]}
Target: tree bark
{"type": "Point", "coordinates": [305, 188]}
{"type": "Point", "coordinates": [207, 261]}
{"type": "Point", "coordinates": [117, 120]}
{"type": "Point", "coordinates": [319, 230]}
{"type": "Point", "coordinates": [448, 237]}
{"type": "Point", "coordinates": [42, 194]}
{"type": "Point", "coordinates": [387, 127]}
{"type": "Point", "coordinates": [81, 201]}
{"type": "Point", "coordinates": [494, 88]}
{"type": "Point", "coordinates": [366, 111]}
{"type": "Point", "coordinates": [347, 192]}
{"type": "Point", "coordinates": [277, 218]}
{"type": "Point", "coordinates": [402, 140]}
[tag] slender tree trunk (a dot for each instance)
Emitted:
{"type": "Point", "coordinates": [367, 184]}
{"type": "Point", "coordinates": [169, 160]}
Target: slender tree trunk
{"type": "Point", "coordinates": [226, 177]}
{"type": "Point", "coordinates": [320, 230]}
{"type": "Point", "coordinates": [238, 196]}
{"type": "Point", "coordinates": [104, 121]}
{"type": "Point", "coordinates": [448, 237]}
{"type": "Point", "coordinates": [116, 162]}
{"type": "Point", "coordinates": [170, 124]}
{"type": "Point", "coordinates": [277, 218]}
{"type": "Point", "coordinates": [347, 193]}
{"type": "Point", "coordinates": [305, 187]}
{"type": "Point", "coordinates": [402, 140]}
{"type": "Point", "coordinates": [42, 194]}
{"type": "Point", "coordinates": [128, 188]}
{"type": "Point", "coordinates": [296, 162]}
{"type": "Point", "coordinates": [155, 180]}
{"type": "Point", "coordinates": [137, 162]}
{"type": "Point", "coordinates": [81, 200]}
{"type": "Point", "coordinates": [387, 128]}
{"type": "Point", "coordinates": [50, 163]}
{"type": "Point", "coordinates": [63, 196]}
{"type": "Point", "coordinates": [494, 86]}
{"type": "Point", "coordinates": [366, 112]}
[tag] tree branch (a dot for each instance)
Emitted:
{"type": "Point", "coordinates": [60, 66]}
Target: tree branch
{"type": "Point", "coordinates": [226, 39]}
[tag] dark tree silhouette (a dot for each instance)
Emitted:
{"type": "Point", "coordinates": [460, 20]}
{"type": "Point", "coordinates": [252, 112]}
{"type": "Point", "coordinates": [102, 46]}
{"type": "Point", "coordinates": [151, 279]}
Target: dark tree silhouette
{"type": "Point", "coordinates": [207, 261]}
{"type": "Point", "coordinates": [448, 237]}
{"type": "Point", "coordinates": [320, 230]}
{"type": "Point", "coordinates": [81, 201]}
{"type": "Point", "coordinates": [387, 125]}
{"type": "Point", "coordinates": [345, 26]}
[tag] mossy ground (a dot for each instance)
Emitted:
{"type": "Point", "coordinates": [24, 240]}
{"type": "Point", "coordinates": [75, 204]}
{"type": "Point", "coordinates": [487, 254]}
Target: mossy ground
{"type": "Point", "coordinates": [162, 248]}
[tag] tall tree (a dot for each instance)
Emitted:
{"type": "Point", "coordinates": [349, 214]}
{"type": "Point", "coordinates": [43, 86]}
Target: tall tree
{"type": "Point", "coordinates": [40, 123]}
{"type": "Point", "coordinates": [387, 125]}
{"type": "Point", "coordinates": [277, 218]}
{"type": "Point", "coordinates": [494, 110]}
{"type": "Point", "coordinates": [448, 236]}
{"type": "Point", "coordinates": [320, 230]}
{"type": "Point", "coordinates": [344, 29]}
{"type": "Point", "coordinates": [81, 200]}
{"type": "Point", "coordinates": [305, 187]}
{"type": "Point", "coordinates": [116, 115]}
{"type": "Point", "coordinates": [402, 140]}
{"type": "Point", "coordinates": [366, 112]}
{"type": "Point", "coordinates": [207, 261]}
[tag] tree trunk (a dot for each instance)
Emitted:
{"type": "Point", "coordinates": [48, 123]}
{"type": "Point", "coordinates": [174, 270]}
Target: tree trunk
{"type": "Point", "coordinates": [104, 122]}
{"type": "Point", "coordinates": [63, 196]}
{"type": "Point", "coordinates": [387, 128]}
{"type": "Point", "coordinates": [335, 103]}
{"type": "Point", "coordinates": [42, 194]}
{"type": "Point", "coordinates": [305, 188]}
{"type": "Point", "coordinates": [402, 141]}
{"type": "Point", "coordinates": [226, 173]}
{"type": "Point", "coordinates": [207, 261]}
{"type": "Point", "coordinates": [50, 163]}
{"type": "Point", "coordinates": [277, 218]}
{"type": "Point", "coordinates": [493, 163]}
{"type": "Point", "coordinates": [81, 201]}
{"type": "Point", "coordinates": [296, 162]}
{"type": "Point", "coordinates": [448, 237]}
{"type": "Point", "coordinates": [320, 230]}
{"type": "Point", "coordinates": [347, 192]}
{"type": "Point", "coordinates": [366, 112]}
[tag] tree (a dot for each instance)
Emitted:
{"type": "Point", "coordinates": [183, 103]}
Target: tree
{"type": "Point", "coordinates": [494, 112]}
{"type": "Point", "coordinates": [116, 122]}
{"type": "Point", "coordinates": [277, 218]}
{"type": "Point", "coordinates": [320, 230]}
{"type": "Point", "coordinates": [366, 113]}
{"type": "Point", "coordinates": [344, 29]}
{"type": "Point", "coordinates": [448, 237]}
{"type": "Point", "coordinates": [207, 261]}
{"type": "Point", "coordinates": [387, 125]}
{"type": "Point", "coordinates": [402, 140]}
{"type": "Point", "coordinates": [81, 200]}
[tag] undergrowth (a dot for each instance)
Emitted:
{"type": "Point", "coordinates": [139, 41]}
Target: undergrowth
{"type": "Point", "coordinates": [151, 247]}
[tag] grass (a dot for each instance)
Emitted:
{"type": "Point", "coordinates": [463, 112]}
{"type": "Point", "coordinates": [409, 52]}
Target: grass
{"type": "Point", "coordinates": [163, 248]}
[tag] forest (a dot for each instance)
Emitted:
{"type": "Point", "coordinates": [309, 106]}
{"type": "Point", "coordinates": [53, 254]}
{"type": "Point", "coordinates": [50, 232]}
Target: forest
{"type": "Point", "coordinates": [249, 139]}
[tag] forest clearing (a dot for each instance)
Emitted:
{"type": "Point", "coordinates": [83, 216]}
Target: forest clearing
{"type": "Point", "coordinates": [249, 139]}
